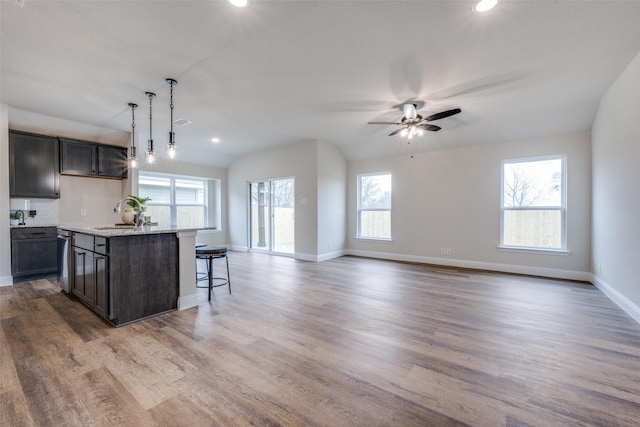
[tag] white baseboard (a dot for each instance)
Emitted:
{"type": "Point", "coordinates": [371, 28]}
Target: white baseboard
{"type": "Point", "coordinates": [505, 268]}
{"type": "Point", "coordinates": [306, 257]}
{"type": "Point", "coordinates": [331, 255]}
{"type": "Point", "coordinates": [615, 296]}
{"type": "Point", "coordinates": [187, 301]}
{"type": "Point", "coordinates": [238, 248]}
{"type": "Point", "coordinates": [6, 280]}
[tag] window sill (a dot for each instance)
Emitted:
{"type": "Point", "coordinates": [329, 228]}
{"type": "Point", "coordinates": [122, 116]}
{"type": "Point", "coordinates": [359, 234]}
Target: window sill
{"type": "Point", "coordinates": [374, 239]}
{"type": "Point", "coordinates": [533, 250]}
{"type": "Point", "coordinates": [210, 231]}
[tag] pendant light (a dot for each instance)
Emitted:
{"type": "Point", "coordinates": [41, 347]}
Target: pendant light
{"type": "Point", "coordinates": [133, 158]}
{"type": "Point", "coordinates": [150, 155]}
{"type": "Point", "coordinates": [171, 148]}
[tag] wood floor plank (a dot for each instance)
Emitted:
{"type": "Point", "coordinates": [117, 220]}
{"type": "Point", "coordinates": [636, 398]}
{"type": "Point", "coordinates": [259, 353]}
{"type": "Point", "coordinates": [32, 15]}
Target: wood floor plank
{"type": "Point", "coordinates": [8, 376]}
{"type": "Point", "coordinates": [14, 410]}
{"type": "Point", "coordinates": [180, 411]}
{"type": "Point", "coordinates": [110, 404]}
{"type": "Point", "coordinates": [346, 342]}
{"type": "Point", "coordinates": [50, 395]}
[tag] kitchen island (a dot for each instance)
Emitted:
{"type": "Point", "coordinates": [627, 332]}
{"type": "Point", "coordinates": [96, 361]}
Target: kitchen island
{"type": "Point", "coordinates": [125, 274]}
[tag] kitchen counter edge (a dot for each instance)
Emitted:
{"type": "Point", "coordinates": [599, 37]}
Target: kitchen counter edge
{"type": "Point", "coordinates": [96, 231]}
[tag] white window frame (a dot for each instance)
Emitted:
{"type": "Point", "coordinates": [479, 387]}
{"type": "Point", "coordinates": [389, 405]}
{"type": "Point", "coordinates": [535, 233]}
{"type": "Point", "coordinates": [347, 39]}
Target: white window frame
{"type": "Point", "coordinates": [360, 210]}
{"type": "Point", "coordinates": [172, 194]}
{"type": "Point", "coordinates": [562, 208]}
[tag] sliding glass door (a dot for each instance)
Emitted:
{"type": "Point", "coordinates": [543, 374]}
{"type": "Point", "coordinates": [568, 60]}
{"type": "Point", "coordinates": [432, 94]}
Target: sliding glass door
{"type": "Point", "coordinates": [272, 216]}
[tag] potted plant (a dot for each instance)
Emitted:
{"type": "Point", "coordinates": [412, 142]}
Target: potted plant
{"type": "Point", "coordinates": [14, 217]}
{"type": "Point", "coordinates": [131, 215]}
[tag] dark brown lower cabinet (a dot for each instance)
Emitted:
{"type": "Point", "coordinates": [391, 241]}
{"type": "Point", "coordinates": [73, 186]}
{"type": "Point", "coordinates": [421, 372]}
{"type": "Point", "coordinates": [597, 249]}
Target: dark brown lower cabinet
{"type": "Point", "coordinates": [126, 278]}
{"type": "Point", "coordinates": [91, 279]}
{"type": "Point", "coordinates": [34, 251]}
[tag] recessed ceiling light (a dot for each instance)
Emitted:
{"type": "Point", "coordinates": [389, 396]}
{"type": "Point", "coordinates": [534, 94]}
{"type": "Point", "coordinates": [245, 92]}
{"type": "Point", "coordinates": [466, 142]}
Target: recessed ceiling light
{"type": "Point", "coordinates": [239, 3]}
{"type": "Point", "coordinates": [215, 140]}
{"type": "Point", "coordinates": [485, 5]}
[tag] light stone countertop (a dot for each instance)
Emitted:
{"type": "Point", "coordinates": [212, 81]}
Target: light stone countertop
{"type": "Point", "coordinates": [118, 231]}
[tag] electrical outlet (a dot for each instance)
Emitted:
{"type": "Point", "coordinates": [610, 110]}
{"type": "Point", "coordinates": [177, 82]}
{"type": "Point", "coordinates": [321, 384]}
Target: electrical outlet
{"type": "Point", "coordinates": [448, 252]}
{"type": "Point", "coordinates": [83, 212]}
{"type": "Point", "coordinates": [443, 251]}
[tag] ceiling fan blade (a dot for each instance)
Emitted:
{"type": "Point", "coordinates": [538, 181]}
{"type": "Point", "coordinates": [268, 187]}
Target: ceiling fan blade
{"type": "Point", "coordinates": [432, 128]}
{"type": "Point", "coordinates": [442, 115]}
{"type": "Point", "coordinates": [384, 123]}
{"type": "Point", "coordinates": [395, 132]}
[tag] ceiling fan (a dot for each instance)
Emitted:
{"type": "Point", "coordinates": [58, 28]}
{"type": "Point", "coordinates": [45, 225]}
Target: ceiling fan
{"type": "Point", "coordinates": [414, 124]}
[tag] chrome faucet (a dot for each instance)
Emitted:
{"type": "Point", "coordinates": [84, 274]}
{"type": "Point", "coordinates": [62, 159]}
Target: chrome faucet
{"type": "Point", "coordinates": [21, 216]}
{"type": "Point", "coordinates": [118, 208]}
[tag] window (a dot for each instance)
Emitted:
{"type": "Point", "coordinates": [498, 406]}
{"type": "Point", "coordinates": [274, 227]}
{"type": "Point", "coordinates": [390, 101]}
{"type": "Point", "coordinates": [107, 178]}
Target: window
{"type": "Point", "coordinates": [534, 203]}
{"type": "Point", "coordinates": [175, 201]}
{"type": "Point", "coordinates": [374, 206]}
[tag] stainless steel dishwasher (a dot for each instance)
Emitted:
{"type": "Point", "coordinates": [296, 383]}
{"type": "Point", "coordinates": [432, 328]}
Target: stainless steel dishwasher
{"type": "Point", "coordinates": [64, 260]}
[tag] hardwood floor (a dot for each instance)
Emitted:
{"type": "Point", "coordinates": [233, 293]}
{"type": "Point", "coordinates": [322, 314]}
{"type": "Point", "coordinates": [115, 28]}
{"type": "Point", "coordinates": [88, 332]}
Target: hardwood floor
{"type": "Point", "coordinates": [351, 341]}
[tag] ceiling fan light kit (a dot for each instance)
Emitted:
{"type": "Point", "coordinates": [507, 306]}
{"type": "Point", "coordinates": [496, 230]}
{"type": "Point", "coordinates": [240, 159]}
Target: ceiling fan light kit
{"type": "Point", "coordinates": [413, 124]}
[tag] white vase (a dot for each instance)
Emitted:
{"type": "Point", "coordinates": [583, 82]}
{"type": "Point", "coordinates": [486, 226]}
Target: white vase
{"type": "Point", "coordinates": [128, 215]}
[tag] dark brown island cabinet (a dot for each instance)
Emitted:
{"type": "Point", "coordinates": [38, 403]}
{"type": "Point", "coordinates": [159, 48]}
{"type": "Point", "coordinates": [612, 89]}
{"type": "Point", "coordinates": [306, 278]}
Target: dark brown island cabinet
{"type": "Point", "coordinates": [33, 166]}
{"type": "Point", "coordinates": [125, 278]}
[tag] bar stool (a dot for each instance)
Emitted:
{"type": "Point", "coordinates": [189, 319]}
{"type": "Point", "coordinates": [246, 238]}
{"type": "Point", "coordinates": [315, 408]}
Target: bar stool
{"type": "Point", "coordinates": [209, 253]}
{"type": "Point", "coordinates": [199, 274]}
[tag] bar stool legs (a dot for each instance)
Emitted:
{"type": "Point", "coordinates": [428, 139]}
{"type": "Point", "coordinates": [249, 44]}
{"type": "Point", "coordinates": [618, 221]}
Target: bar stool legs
{"type": "Point", "coordinates": [209, 253]}
{"type": "Point", "coordinates": [227, 281]}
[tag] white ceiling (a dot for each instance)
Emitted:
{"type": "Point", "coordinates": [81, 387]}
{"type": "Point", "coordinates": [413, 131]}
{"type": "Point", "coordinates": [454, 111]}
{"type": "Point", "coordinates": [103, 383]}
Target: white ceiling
{"type": "Point", "coordinates": [281, 72]}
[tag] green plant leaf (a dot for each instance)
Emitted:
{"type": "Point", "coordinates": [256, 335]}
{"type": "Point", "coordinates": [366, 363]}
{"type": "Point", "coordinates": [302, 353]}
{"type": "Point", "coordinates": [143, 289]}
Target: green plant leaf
{"type": "Point", "coordinates": [142, 201]}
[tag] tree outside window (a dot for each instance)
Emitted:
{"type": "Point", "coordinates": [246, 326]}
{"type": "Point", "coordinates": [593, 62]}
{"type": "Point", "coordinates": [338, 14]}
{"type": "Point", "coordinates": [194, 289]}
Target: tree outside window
{"type": "Point", "coordinates": [533, 203]}
{"type": "Point", "coordinates": [374, 206]}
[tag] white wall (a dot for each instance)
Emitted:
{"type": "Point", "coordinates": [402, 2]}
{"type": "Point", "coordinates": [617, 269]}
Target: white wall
{"type": "Point", "coordinates": [451, 199]}
{"type": "Point", "coordinates": [298, 161]}
{"type": "Point", "coordinates": [332, 201]}
{"type": "Point", "coordinates": [616, 191]}
{"type": "Point", "coordinates": [5, 237]}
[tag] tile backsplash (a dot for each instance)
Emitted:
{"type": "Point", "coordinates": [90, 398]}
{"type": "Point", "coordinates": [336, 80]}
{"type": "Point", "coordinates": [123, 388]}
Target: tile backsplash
{"type": "Point", "coordinates": [46, 211]}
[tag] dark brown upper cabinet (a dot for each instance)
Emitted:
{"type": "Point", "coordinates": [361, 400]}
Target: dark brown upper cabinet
{"type": "Point", "coordinates": [33, 166]}
{"type": "Point", "coordinates": [84, 158]}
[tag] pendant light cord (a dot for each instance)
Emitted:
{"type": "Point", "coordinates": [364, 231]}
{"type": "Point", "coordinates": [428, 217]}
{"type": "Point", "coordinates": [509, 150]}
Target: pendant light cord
{"type": "Point", "coordinates": [151, 119]}
{"type": "Point", "coordinates": [133, 127]}
{"type": "Point", "coordinates": [171, 107]}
